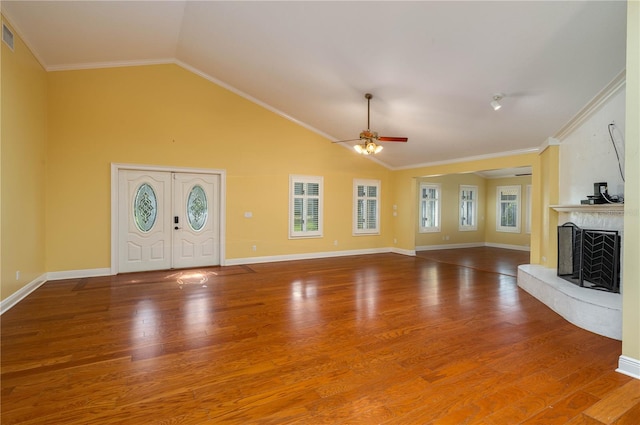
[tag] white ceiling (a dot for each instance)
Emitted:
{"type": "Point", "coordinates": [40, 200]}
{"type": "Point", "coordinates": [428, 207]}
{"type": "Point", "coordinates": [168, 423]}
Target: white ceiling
{"type": "Point", "coordinates": [432, 66]}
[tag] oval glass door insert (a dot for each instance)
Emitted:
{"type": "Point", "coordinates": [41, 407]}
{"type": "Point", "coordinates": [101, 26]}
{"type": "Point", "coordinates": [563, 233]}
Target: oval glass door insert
{"type": "Point", "coordinates": [197, 208]}
{"type": "Point", "coordinates": [145, 208]}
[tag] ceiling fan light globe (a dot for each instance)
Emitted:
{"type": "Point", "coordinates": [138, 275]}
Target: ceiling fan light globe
{"type": "Point", "coordinates": [495, 105]}
{"type": "Point", "coordinates": [378, 149]}
{"type": "Point", "coordinates": [359, 148]}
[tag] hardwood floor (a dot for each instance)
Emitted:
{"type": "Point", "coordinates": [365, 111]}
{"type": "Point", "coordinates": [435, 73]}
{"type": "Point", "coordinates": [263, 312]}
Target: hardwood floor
{"type": "Point", "coordinates": [488, 259]}
{"type": "Point", "coordinates": [375, 339]}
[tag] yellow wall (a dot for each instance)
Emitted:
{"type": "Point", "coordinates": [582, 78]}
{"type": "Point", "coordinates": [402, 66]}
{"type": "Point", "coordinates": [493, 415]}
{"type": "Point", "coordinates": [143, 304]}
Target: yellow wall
{"type": "Point", "coordinates": [22, 156]}
{"type": "Point", "coordinates": [165, 115]}
{"type": "Point", "coordinates": [450, 211]}
{"type": "Point", "coordinates": [631, 248]}
{"type": "Point", "coordinates": [548, 165]}
{"type": "Point", "coordinates": [522, 238]}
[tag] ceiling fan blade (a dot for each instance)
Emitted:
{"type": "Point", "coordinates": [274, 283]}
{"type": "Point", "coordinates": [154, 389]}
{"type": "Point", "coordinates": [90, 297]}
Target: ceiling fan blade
{"type": "Point", "coordinates": [392, 139]}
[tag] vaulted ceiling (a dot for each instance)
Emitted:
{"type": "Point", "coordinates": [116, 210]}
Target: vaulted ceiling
{"type": "Point", "coordinates": [432, 66]}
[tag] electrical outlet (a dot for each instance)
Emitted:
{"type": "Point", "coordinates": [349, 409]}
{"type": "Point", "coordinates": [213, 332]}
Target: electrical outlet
{"type": "Point", "coordinates": [335, 243]}
{"type": "Point", "coordinates": [18, 275]}
{"type": "Point", "coordinates": [254, 248]}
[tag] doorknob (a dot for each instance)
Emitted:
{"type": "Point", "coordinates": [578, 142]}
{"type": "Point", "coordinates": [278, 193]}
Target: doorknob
{"type": "Point", "coordinates": [176, 228]}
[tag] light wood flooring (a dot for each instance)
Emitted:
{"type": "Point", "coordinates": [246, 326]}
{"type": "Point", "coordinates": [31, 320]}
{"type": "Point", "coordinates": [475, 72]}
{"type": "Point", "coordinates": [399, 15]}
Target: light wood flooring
{"type": "Point", "coordinates": [445, 337]}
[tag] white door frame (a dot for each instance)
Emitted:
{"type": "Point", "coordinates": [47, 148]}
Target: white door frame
{"type": "Point", "coordinates": [115, 169]}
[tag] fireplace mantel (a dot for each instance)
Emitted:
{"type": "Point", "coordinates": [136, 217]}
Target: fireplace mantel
{"type": "Point", "coordinates": [599, 208]}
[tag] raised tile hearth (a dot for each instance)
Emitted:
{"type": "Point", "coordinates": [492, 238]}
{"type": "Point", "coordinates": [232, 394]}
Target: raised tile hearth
{"type": "Point", "coordinates": [596, 311]}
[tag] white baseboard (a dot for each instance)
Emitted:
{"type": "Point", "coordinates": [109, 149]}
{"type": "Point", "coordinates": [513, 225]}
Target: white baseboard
{"type": "Point", "coordinates": [629, 366]}
{"type": "Point", "coordinates": [472, 245]}
{"type": "Point", "coordinates": [309, 256]}
{"type": "Point", "coordinates": [449, 246]}
{"type": "Point", "coordinates": [21, 293]}
{"type": "Point", "coordinates": [78, 274]}
{"type": "Point", "coordinates": [505, 246]}
{"type": "Point", "coordinates": [408, 252]}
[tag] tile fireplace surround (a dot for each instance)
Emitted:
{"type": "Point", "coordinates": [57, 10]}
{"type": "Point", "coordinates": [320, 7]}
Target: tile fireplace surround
{"type": "Point", "coordinates": [597, 311]}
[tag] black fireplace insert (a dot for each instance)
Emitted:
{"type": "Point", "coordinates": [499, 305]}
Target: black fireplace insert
{"type": "Point", "coordinates": [589, 258]}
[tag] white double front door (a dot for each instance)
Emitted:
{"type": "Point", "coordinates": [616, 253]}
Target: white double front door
{"type": "Point", "coordinates": [167, 220]}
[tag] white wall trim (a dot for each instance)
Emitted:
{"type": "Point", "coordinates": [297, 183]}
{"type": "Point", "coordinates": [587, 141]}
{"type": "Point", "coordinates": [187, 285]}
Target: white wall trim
{"type": "Point", "coordinates": [449, 246]}
{"type": "Point", "coordinates": [629, 366]}
{"type": "Point", "coordinates": [250, 98]}
{"type": "Point", "coordinates": [549, 142]}
{"type": "Point", "coordinates": [115, 169]}
{"type": "Point", "coordinates": [507, 246]}
{"type": "Point", "coordinates": [469, 159]}
{"type": "Point", "coordinates": [78, 274]}
{"type": "Point", "coordinates": [408, 252]}
{"type": "Point", "coordinates": [21, 293]}
{"type": "Point", "coordinates": [114, 64]}
{"type": "Point", "coordinates": [305, 256]}
{"type": "Point", "coordinates": [472, 245]}
{"type": "Point", "coordinates": [594, 104]}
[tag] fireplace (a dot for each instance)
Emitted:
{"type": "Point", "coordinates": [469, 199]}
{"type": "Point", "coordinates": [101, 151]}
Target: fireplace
{"type": "Point", "coordinates": [589, 258]}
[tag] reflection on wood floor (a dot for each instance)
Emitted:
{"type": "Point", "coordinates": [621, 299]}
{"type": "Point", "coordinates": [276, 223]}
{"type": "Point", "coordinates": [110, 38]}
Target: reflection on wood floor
{"type": "Point", "coordinates": [374, 339]}
{"type": "Point", "coordinates": [488, 259]}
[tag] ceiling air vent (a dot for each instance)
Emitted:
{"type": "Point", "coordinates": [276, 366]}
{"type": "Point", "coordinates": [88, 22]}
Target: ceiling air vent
{"type": "Point", "coordinates": [7, 36]}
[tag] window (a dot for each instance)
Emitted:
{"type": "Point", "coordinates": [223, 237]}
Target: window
{"type": "Point", "coordinates": [508, 209]}
{"type": "Point", "coordinates": [429, 207]}
{"type": "Point", "coordinates": [366, 195]}
{"type": "Point", "coordinates": [468, 208]}
{"type": "Point", "coordinates": [305, 206]}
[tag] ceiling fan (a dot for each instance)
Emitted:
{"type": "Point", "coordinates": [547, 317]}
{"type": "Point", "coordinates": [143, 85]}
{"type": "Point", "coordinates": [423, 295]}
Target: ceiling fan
{"type": "Point", "coordinates": [369, 138]}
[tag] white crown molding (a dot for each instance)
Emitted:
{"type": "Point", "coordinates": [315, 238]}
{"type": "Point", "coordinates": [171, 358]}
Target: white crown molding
{"type": "Point", "coordinates": [549, 142]}
{"type": "Point", "coordinates": [593, 105]}
{"type": "Point", "coordinates": [115, 64]}
{"type": "Point", "coordinates": [469, 159]}
{"type": "Point", "coordinates": [251, 98]}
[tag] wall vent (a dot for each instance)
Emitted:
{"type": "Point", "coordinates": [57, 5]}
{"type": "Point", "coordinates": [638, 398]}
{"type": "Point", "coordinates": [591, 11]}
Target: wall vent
{"type": "Point", "coordinates": [7, 36]}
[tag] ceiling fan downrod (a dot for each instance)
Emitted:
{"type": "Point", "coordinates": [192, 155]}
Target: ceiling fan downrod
{"type": "Point", "coordinates": [368, 96]}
